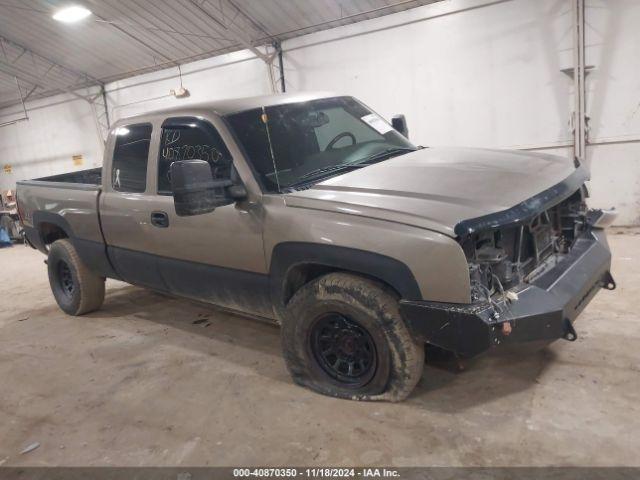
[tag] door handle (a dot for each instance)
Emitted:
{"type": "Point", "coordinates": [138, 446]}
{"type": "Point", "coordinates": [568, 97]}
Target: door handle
{"type": "Point", "coordinates": [160, 219]}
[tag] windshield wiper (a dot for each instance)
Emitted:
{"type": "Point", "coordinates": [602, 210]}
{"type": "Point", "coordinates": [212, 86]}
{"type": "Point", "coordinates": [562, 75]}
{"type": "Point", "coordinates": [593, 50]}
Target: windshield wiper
{"type": "Point", "coordinates": [383, 155]}
{"type": "Point", "coordinates": [379, 156]}
{"type": "Point", "coordinates": [330, 169]}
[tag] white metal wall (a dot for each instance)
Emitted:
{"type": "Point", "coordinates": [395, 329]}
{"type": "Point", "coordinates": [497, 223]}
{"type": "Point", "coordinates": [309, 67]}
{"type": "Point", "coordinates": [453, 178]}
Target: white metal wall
{"type": "Point", "coordinates": [489, 74]}
{"type": "Point", "coordinates": [465, 72]}
{"type": "Point", "coordinates": [613, 104]}
{"type": "Point", "coordinates": [238, 74]}
{"type": "Point", "coordinates": [62, 126]}
{"type": "Point", "coordinates": [58, 128]}
{"type": "Point", "coordinates": [486, 76]}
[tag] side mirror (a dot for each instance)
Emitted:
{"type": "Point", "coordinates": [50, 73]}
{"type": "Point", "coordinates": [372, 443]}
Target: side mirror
{"type": "Point", "coordinates": [237, 192]}
{"type": "Point", "coordinates": [399, 122]}
{"type": "Point", "coordinates": [195, 192]}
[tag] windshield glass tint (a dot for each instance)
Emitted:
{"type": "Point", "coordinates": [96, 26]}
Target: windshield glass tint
{"type": "Point", "coordinates": [289, 144]}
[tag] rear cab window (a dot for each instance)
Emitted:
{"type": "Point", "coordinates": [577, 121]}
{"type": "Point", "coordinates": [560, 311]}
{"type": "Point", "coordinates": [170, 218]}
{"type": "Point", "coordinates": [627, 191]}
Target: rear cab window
{"type": "Point", "coordinates": [191, 138]}
{"type": "Point", "coordinates": [130, 158]}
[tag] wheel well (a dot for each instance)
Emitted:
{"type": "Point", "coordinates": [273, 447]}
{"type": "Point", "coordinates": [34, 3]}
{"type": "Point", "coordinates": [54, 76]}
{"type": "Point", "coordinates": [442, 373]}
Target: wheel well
{"type": "Point", "coordinates": [299, 275]}
{"type": "Point", "coordinates": [51, 232]}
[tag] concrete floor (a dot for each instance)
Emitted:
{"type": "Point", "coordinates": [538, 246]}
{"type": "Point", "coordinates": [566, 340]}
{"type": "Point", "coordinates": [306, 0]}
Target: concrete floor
{"type": "Point", "coordinates": [139, 383]}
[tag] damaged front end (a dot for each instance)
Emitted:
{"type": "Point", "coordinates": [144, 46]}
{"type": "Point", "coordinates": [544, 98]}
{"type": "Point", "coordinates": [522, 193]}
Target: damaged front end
{"type": "Point", "coordinates": [532, 269]}
{"type": "Point", "coordinates": [515, 255]}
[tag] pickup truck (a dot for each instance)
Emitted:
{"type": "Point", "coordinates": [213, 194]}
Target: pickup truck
{"type": "Point", "coordinates": [313, 211]}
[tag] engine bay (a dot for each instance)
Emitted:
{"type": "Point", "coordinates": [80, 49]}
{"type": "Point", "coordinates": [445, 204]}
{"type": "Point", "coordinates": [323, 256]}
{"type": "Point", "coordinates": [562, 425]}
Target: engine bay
{"type": "Point", "coordinates": [500, 259]}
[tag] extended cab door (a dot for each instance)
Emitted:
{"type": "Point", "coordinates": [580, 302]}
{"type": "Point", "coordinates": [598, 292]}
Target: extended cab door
{"type": "Point", "coordinates": [126, 203]}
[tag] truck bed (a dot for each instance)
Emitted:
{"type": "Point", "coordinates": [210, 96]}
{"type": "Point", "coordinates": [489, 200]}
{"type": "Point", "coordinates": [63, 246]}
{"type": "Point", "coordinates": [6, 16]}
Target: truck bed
{"type": "Point", "coordinates": [92, 176]}
{"type": "Point", "coordinates": [68, 201]}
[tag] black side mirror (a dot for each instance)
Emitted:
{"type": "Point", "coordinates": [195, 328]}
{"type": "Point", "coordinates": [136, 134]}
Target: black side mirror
{"type": "Point", "coordinates": [236, 191]}
{"type": "Point", "coordinates": [195, 192]}
{"type": "Point", "coordinates": [399, 122]}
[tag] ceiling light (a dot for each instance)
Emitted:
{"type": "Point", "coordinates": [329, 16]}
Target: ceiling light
{"type": "Point", "coordinates": [71, 14]}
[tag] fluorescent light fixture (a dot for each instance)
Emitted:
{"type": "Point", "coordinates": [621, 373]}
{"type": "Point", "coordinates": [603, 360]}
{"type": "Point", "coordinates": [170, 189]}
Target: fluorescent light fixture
{"type": "Point", "coordinates": [71, 14]}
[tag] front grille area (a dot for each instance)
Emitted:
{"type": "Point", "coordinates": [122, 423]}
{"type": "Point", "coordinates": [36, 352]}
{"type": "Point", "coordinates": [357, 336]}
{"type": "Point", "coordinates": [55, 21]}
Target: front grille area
{"type": "Point", "coordinates": [502, 258]}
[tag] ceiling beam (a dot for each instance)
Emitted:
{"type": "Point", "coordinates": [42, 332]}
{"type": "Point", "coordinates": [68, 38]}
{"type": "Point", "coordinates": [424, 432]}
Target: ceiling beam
{"type": "Point", "coordinates": [352, 18]}
{"type": "Point", "coordinates": [5, 42]}
{"type": "Point", "coordinates": [40, 72]}
{"type": "Point", "coordinates": [244, 40]}
{"type": "Point", "coordinates": [155, 51]}
{"type": "Point", "coordinates": [36, 81]}
{"type": "Point", "coordinates": [258, 25]}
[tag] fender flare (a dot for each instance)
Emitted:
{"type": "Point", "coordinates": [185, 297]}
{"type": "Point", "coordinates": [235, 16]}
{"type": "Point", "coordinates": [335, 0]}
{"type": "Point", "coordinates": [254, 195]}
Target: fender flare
{"type": "Point", "coordinates": [40, 217]}
{"type": "Point", "coordinates": [288, 255]}
{"type": "Point", "coordinates": [93, 254]}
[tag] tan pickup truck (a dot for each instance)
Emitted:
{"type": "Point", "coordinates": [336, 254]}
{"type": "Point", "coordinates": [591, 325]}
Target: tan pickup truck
{"type": "Point", "coordinates": [312, 211]}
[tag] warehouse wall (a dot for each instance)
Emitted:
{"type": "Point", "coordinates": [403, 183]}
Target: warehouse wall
{"type": "Point", "coordinates": [465, 72]}
{"type": "Point", "coordinates": [62, 126]}
{"type": "Point", "coordinates": [613, 103]}
{"type": "Point", "coordinates": [490, 74]}
{"type": "Point", "coordinates": [238, 74]}
{"type": "Point", "coordinates": [58, 128]}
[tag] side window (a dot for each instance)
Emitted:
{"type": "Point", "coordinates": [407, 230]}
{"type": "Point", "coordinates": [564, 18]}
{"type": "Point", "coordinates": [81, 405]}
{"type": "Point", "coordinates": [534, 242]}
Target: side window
{"type": "Point", "coordinates": [129, 166]}
{"type": "Point", "coordinates": [188, 138]}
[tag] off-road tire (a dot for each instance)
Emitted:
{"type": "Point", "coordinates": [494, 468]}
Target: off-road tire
{"type": "Point", "coordinates": [86, 293]}
{"type": "Point", "coordinates": [373, 307]}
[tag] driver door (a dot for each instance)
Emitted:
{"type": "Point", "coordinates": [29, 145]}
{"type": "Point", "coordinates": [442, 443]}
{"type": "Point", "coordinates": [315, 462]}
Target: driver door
{"type": "Point", "coordinates": [216, 257]}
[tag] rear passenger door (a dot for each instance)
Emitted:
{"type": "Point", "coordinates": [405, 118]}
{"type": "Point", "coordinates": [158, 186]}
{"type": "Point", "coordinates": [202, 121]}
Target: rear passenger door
{"type": "Point", "coordinates": [126, 203]}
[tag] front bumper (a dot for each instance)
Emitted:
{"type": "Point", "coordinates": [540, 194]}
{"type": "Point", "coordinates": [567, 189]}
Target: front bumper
{"type": "Point", "coordinates": [545, 309]}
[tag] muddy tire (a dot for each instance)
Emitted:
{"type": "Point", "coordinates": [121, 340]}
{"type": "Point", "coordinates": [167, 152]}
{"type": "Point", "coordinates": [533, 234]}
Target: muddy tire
{"type": "Point", "coordinates": [76, 289]}
{"type": "Point", "coordinates": [343, 336]}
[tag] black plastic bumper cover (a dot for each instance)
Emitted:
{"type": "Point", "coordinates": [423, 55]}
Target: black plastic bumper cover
{"type": "Point", "coordinates": [545, 308]}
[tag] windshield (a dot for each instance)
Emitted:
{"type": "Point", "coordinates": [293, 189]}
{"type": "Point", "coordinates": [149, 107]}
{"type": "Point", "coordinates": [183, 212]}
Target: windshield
{"type": "Point", "coordinates": [300, 143]}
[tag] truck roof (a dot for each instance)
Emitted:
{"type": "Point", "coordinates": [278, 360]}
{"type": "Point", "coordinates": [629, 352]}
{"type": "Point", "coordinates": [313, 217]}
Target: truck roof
{"type": "Point", "coordinates": [234, 105]}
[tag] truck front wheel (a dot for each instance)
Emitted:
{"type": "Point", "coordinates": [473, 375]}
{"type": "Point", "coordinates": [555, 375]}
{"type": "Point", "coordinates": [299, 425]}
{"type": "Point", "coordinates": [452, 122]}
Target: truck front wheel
{"type": "Point", "coordinates": [76, 289]}
{"type": "Point", "coordinates": [342, 335]}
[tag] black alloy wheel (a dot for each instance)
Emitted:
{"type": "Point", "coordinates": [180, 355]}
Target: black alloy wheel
{"type": "Point", "coordinates": [343, 349]}
{"type": "Point", "coordinates": [65, 278]}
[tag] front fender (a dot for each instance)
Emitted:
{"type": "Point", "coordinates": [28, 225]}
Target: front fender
{"type": "Point", "coordinates": [416, 262]}
{"type": "Point", "coordinates": [289, 255]}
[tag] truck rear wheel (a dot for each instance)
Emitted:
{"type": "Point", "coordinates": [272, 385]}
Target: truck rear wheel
{"type": "Point", "coordinates": [76, 289]}
{"type": "Point", "coordinates": [343, 336]}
